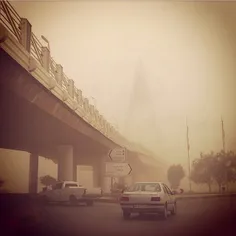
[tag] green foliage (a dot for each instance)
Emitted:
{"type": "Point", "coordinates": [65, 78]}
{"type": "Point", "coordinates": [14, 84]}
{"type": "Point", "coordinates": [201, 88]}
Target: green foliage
{"type": "Point", "coordinates": [202, 170]}
{"type": "Point", "coordinates": [175, 174]}
{"type": "Point", "coordinates": [220, 167]}
{"type": "Point", "coordinates": [47, 180]}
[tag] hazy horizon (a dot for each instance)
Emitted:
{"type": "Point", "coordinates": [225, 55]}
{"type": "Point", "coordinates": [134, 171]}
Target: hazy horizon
{"type": "Point", "coordinates": [187, 54]}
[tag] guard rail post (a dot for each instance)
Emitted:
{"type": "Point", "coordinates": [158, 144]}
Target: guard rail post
{"type": "Point", "coordinates": [25, 33]}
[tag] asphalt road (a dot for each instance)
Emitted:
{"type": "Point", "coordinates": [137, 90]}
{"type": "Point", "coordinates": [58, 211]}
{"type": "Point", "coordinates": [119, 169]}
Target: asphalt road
{"type": "Point", "coordinates": [194, 217]}
{"type": "Point", "coordinates": [209, 216]}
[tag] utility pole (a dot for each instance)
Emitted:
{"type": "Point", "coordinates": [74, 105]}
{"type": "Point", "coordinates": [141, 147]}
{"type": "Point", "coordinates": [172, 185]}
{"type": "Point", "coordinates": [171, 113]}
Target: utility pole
{"type": "Point", "coordinates": [223, 145]}
{"type": "Point", "coordinates": [223, 133]}
{"type": "Point", "coordinates": [189, 162]}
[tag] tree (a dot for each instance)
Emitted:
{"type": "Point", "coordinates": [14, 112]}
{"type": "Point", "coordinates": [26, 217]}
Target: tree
{"type": "Point", "coordinates": [224, 168]}
{"type": "Point", "coordinates": [220, 167]}
{"type": "Point", "coordinates": [175, 174]}
{"type": "Point", "coordinates": [47, 180]}
{"type": "Point", "coordinates": [202, 170]}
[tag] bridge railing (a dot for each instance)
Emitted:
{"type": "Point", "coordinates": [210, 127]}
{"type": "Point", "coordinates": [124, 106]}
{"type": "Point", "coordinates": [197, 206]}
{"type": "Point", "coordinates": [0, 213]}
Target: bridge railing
{"type": "Point", "coordinates": [15, 24]}
{"type": "Point", "coordinates": [36, 48]}
{"type": "Point", "coordinates": [10, 18]}
{"type": "Point", "coordinates": [53, 68]}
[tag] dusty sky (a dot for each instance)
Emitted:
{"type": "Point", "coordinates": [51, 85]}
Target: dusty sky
{"type": "Point", "coordinates": [187, 55]}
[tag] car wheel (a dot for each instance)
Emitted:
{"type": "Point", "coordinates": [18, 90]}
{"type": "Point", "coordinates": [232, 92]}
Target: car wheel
{"type": "Point", "coordinates": [126, 215]}
{"type": "Point", "coordinates": [164, 214]}
{"type": "Point", "coordinates": [89, 203]}
{"type": "Point", "coordinates": [73, 200]}
{"type": "Point", "coordinates": [174, 210]}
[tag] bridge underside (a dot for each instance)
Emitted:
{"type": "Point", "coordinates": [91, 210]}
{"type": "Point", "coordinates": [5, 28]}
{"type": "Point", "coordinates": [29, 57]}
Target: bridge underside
{"type": "Point", "coordinates": [27, 128]}
{"type": "Point", "coordinates": [33, 120]}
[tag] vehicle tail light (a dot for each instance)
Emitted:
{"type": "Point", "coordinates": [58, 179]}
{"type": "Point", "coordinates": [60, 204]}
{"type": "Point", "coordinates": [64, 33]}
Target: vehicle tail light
{"type": "Point", "coordinates": [125, 199]}
{"type": "Point", "coordinates": [155, 199]}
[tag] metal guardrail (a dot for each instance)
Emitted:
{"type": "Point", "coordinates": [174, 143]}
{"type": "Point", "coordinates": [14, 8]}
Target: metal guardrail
{"type": "Point", "coordinates": [36, 48]}
{"type": "Point", "coordinates": [12, 21]}
{"type": "Point", "coordinates": [52, 68]}
{"type": "Point", "coordinates": [10, 18]}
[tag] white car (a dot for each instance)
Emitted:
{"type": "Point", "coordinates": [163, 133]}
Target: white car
{"type": "Point", "coordinates": [148, 197]}
{"type": "Point", "coordinates": [70, 191]}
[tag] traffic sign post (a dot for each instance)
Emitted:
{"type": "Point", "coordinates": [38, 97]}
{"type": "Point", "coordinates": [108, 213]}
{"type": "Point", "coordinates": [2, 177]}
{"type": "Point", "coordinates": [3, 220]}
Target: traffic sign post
{"type": "Point", "coordinates": [117, 169]}
{"type": "Point", "coordinates": [118, 154]}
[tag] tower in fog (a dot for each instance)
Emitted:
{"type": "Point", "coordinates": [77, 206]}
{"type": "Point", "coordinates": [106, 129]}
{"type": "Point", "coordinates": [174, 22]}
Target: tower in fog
{"type": "Point", "coordinates": [140, 118]}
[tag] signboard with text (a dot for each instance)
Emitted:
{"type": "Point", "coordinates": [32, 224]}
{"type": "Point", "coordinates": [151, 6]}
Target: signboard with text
{"type": "Point", "coordinates": [117, 169]}
{"type": "Point", "coordinates": [118, 154]}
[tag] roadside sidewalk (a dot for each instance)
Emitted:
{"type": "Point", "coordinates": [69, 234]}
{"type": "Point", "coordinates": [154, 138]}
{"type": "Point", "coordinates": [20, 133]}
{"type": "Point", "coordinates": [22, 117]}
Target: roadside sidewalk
{"type": "Point", "coordinates": [115, 199]}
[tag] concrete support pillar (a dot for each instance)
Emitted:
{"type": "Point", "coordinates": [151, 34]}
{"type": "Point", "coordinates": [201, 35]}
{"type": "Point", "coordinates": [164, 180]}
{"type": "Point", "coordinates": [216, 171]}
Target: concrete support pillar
{"type": "Point", "coordinates": [97, 176]}
{"type": "Point", "coordinates": [65, 163]}
{"type": "Point", "coordinates": [99, 179]}
{"type": "Point", "coordinates": [46, 58]}
{"type": "Point", "coordinates": [25, 27]}
{"type": "Point", "coordinates": [33, 173]}
{"type": "Point", "coordinates": [103, 179]}
{"type": "Point", "coordinates": [74, 170]}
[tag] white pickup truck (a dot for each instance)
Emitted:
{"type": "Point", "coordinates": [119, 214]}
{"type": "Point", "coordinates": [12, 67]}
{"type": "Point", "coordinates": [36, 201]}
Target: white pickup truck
{"type": "Point", "coordinates": [70, 191]}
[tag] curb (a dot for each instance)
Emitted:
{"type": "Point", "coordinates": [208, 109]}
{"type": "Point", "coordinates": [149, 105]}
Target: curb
{"type": "Point", "coordinates": [181, 198]}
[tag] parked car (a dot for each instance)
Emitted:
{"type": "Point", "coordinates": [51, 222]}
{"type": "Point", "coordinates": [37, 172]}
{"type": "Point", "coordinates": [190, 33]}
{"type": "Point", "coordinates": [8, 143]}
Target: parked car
{"type": "Point", "coordinates": [70, 191]}
{"type": "Point", "coordinates": [148, 197]}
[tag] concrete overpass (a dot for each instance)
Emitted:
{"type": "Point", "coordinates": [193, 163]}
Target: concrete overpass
{"type": "Point", "coordinates": [42, 111]}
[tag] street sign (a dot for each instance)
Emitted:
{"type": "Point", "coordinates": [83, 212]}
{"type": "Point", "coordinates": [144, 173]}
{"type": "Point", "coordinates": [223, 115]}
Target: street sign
{"type": "Point", "coordinates": [118, 154]}
{"type": "Point", "coordinates": [117, 169]}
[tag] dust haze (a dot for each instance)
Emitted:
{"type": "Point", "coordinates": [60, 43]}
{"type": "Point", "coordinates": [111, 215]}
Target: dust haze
{"type": "Point", "coordinates": [149, 65]}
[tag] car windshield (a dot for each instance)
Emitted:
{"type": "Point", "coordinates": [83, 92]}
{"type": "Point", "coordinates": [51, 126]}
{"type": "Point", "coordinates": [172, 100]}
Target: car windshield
{"type": "Point", "coordinates": [145, 187]}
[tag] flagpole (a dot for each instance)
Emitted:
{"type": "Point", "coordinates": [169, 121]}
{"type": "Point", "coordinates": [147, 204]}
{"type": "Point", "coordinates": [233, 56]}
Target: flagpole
{"type": "Point", "coordinates": [223, 133]}
{"type": "Point", "coordinates": [188, 151]}
{"type": "Point", "coordinates": [223, 144]}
